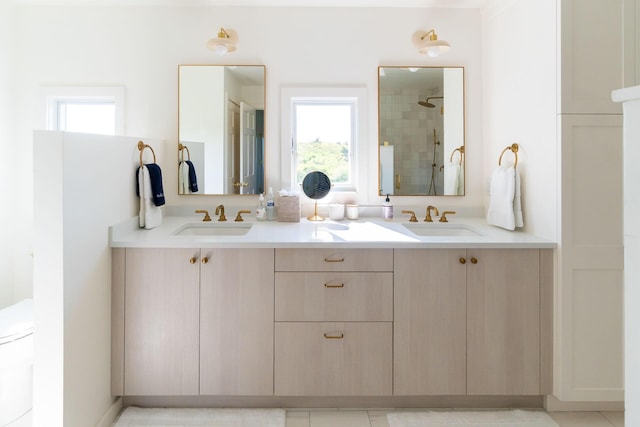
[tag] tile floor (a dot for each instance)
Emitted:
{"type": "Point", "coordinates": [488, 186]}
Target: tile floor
{"type": "Point", "coordinates": [378, 418]}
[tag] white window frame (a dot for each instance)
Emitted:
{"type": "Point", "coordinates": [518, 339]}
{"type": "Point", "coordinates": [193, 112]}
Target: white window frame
{"type": "Point", "coordinates": [358, 149]}
{"type": "Point", "coordinates": [53, 95]}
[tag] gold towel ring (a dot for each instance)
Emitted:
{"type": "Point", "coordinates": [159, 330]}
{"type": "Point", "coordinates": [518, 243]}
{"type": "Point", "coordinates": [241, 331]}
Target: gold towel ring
{"type": "Point", "coordinates": [141, 147]}
{"type": "Point", "coordinates": [181, 148]}
{"type": "Point", "coordinates": [514, 149]}
{"type": "Point", "coordinates": [461, 150]}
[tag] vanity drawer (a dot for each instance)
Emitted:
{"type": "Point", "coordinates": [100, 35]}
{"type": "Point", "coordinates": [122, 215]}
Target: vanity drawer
{"type": "Point", "coordinates": [329, 259]}
{"type": "Point", "coordinates": [333, 358]}
{"type": "Point", "coordinates": [334, 296]}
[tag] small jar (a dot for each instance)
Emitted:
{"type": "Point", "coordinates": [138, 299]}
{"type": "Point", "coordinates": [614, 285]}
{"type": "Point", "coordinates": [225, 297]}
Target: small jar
{"type": "Point", "coordinates": [352, 211]}
{"type": "Point", "coordinates": [336, 211]}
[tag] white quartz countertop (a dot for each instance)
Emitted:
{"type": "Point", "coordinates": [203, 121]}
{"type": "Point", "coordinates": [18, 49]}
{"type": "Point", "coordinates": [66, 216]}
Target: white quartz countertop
{"type": "Point", "coordinates": [459, 232]}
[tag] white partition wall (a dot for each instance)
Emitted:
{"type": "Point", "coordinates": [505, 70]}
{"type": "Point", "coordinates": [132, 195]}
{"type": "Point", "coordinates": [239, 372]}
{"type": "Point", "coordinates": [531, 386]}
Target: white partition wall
{"type": "Point", "coordinates": [631, 109]}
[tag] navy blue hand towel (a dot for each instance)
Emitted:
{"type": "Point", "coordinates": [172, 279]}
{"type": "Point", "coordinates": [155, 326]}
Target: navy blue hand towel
{"type": "Point", "coordinates": [155, 174]}
{"type": "Point", "coordinates": [193, 180]}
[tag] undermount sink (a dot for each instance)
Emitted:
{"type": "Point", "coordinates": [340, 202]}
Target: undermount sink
{"type": "Point", "coordinates": [213, 229]}
{"type": "Point", "coordinates": [445, 230]}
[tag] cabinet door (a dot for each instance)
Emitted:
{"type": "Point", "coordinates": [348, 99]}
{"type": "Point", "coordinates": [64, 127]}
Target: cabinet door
{"type": "Point", "coordinates": [236, 322]}
{"type": "Point", "coordinates": [503, 323]}
{"type": "Point", "coordinates": [429, 322]}
{"type": "Point", "coordinates": [333, 359]}
{"type": "Point", "coordinates": [161, 322]}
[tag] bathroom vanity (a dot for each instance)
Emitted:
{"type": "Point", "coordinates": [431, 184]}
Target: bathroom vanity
{"type": "Point", "coordinates": [360, 308]}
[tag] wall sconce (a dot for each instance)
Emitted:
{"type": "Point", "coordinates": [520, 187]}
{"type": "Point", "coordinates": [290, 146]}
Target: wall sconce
{"type": "Point", "coordinates": [428, 43]}
{"type": "Point", "coordinates": [224, 43]}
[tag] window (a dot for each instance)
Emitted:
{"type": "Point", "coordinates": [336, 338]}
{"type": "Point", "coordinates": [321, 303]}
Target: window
{"type": "Point", "coordinates": [325, 127]}
{"type": "Point", "coordinates": [98, 110]}
{"type": "Point", "coordinates": [323, 139]}
{"type": "Point", "coordinates": [86, 115]}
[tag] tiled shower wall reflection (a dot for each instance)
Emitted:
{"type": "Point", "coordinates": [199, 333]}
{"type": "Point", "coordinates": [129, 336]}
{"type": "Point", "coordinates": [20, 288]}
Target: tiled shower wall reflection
{"type": "Point", "coordinates": [409, 127]}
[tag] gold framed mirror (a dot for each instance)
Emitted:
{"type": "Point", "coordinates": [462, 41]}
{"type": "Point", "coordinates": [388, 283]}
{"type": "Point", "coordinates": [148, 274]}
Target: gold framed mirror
{"type": "Point", "coordinates": [421, 125]}
{"type": "Point", "coordinates": [221, 145]}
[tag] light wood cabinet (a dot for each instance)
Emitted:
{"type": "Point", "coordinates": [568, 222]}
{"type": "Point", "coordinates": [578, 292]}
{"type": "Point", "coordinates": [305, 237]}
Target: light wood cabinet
{"type": "Point", "coordinates": [334, 330]}
{"type": "Point", "coordinates": [467, 321]}
{"type": "Point", "coordinates": [333, 358]}
{"type": "Point", "coordinates": [161, 318]}
{"type": "Point", "coordinates": [236, 322]}
{"type": "Point", "coordinates": [195, 322]}
{"type": "Point", "coordinates": [429, 322]}
{"type": "Point", "coordinates": [503, 322]}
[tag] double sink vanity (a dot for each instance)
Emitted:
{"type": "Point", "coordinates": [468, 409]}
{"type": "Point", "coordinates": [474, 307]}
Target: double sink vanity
{"type": "Point", "coordinates": [330, 309]}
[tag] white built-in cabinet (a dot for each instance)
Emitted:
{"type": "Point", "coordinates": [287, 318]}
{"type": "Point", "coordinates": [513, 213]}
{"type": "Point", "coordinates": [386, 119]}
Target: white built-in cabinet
{"type": "Point", "coordinates": [594, 60]}
{"type": "Point", "coordinates": [471, 322]}
{"type": "Point", "coordinates": [331, 322]}
{"type": "Point", "coordinates": [192, 321]}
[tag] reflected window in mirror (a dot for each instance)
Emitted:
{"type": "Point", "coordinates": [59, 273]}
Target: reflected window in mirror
{"type": "Point", "coordinates": [221, 110]}
{"type": "Point", "coordinates": [421, 131]}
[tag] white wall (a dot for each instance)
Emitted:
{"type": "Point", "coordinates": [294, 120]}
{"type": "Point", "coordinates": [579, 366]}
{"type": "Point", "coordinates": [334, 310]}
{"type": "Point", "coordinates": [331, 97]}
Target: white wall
{"type": "Point", "coordinates": [140, 47]}
{"type": "Point", "coordinates": [519, 103]}
{"type": "Point", "coordinates": [76, 201]}
{"type": "Point", "coordinates": [7, 183]}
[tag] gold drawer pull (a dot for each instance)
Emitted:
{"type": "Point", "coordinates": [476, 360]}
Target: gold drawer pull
{"type": "Point", "coordinates": [334, 260]}
{"type": "Point", "coordinates": [334, 337]}
{"type": "Point", "coordinates": [328, 285]}
{"type": "Point", "coordinates": [193, 260]}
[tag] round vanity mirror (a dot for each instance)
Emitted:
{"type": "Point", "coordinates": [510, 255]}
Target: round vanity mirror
{"type": "Point", "coordinates": [316, 185]}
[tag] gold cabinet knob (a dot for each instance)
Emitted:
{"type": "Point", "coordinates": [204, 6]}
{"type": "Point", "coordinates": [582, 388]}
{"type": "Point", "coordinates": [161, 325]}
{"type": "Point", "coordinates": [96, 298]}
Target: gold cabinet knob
{"type": "Point", "coordinates": [462, 260]}
{"type": "Point", "coordinates": [193, 260]}
{"type": "Point", "coordinates": [205, 260]}
{"type": "Point", "coordinates": [474, 261]}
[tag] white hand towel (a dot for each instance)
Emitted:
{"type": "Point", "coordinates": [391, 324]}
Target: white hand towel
{"type": "Point", "coordinates": [460, 191]}
{"type": "Point", "coordinates": [501, 198]}
{"type": "Point", "coordinates": [150, 215]}
{"type": "Point", "coordinates": [451, 177]}
{"type": "Point", "coordinates": [517, 206]}
{"type": "Point", "coordinates": [183, 178]}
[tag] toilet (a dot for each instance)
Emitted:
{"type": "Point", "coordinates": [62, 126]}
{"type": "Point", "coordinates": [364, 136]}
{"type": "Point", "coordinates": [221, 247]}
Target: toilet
{"type": "Point", "coordinates": [16, 364]}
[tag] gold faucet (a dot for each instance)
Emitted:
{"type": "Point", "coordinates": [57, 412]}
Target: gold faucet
{"type": "Point", "coordinates": [429, 209]}
{"type": "Point", "coordinates": [239, 216]}
{"type": "Point", "coordinates": [220, 211]}
{"type": "Point", "coordinates": [413, 216]}
{"type": "Point", "coordinates": [443, 218]}
{"type": "Point", "coordinates": [206, 218]}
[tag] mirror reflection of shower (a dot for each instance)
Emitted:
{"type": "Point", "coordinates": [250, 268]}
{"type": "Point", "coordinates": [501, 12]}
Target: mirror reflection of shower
{"type": "Point", "coordinates": [432, 105]}
{"type": "Point", "coordinates": [433, 191]}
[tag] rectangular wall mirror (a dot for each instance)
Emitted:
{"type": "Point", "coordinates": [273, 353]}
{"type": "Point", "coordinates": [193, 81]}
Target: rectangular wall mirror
{"type": "Point", "coordinates": [421, 131]}
{"type": "Point", "coordinates": [221, 129]}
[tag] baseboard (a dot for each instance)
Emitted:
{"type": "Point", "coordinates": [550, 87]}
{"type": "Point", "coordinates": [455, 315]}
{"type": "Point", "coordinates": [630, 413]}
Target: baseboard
{"type": "Point", "coordinates": [110, 416]}
{"type": "Point", "coordinates": [382, 402]}
{"type": "Point", "coordinates": [552, 404]}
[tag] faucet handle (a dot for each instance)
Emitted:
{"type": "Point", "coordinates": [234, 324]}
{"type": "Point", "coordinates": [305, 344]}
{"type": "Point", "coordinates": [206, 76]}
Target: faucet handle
{"type": "Point", "coordinates": [239, 216]}
{"type": "Point", "coordinates": [443, 218]}
{"type": "Point", "coordinates": [413, 216]}
{"type": "Point", "coordinates": [206, 218]}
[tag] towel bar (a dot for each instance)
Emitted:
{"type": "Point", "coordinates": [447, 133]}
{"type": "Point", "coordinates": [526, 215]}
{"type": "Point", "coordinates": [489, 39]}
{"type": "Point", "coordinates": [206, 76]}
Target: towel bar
{"type": "Point", "coordinates": [181, 148]}
{"type": "Point", "coordinates": [461, 150]}
{"type": "Point", "coordinates": [141, 147]}
{"type": "Point", "coordinates": [514, 149]}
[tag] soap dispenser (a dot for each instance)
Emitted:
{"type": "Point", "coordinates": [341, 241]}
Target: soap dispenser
{"type": "Point", "coordinates": [261, 212]}
{"type": "Point", "coordinates": [387, 209]}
